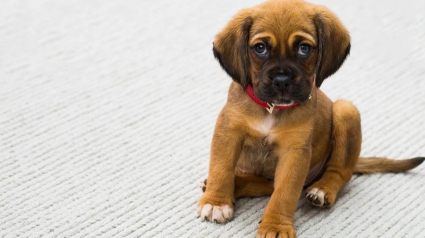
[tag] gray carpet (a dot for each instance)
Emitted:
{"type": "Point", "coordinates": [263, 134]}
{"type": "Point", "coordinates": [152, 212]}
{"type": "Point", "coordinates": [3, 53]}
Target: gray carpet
{"type": "Point", "coordinates": [107, 110]}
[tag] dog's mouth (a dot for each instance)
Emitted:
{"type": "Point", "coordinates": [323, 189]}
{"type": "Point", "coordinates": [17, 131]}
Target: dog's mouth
{"type": "Point", "coordinates": [280, 101]}
{"type": "Point", "coordinates": [283, 102]}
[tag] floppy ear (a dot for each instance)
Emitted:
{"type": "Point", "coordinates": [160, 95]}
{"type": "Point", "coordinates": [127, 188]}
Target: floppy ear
{"type": "Point", "coordinates": [334, 43]}
{"type": "Point", "coordinates": [231, 48]}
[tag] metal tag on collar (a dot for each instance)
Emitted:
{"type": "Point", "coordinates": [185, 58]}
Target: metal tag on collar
{"type": "Point", "coordinates": [271, 107]}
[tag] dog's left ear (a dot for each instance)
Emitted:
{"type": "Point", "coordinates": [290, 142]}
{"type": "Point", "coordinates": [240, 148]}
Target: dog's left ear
{"type": "Point", "coordinates": [334, 43]}
{"type": "Point", "coordinates": [231, 48]}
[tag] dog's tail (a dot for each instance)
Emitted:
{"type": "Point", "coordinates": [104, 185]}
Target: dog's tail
{"type": "Point", "coordinates": [383, 165]}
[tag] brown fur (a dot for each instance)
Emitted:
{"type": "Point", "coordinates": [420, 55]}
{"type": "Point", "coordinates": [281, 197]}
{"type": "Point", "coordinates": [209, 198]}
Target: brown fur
{"type": "Point", "coordinates": [384, 165]}
{"type": "Point", "coordinates": [250, 145]}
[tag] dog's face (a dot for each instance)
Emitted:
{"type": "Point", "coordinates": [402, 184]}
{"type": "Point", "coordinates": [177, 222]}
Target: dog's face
{"type": "Point", "coordinates": [280, 47]}
{"type": "Point", "coordinates": [282, 52]}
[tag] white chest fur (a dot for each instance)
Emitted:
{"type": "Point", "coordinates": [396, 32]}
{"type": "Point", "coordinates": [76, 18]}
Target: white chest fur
{"type": "Point", "coordinates": [264, 126]}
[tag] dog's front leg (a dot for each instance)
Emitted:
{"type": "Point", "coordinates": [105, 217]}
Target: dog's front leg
{"type": "Point", "coordinates": [216, 203]}
{"type": "Point", "coordinates": [291, 172]}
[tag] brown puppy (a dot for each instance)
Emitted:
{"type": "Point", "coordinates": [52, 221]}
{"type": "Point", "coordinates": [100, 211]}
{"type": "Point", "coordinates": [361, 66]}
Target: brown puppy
{"type": "Point", "coordinates": [278, 132]}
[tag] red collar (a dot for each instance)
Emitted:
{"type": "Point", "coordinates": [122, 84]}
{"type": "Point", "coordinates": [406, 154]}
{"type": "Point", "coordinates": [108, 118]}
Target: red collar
{"type": "Point", "coordinates": [270, 107]}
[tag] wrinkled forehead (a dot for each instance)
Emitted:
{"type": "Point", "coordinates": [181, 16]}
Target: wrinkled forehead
{"type": "Point", "coordinates": [283, 26]}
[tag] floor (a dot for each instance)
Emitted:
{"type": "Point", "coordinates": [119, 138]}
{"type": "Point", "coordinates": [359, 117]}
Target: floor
{"type": "Point", "coordinates": [107, 110]}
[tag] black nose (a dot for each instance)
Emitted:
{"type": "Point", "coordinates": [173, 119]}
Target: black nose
{"type": "Point", "coordinates": [282, 82]}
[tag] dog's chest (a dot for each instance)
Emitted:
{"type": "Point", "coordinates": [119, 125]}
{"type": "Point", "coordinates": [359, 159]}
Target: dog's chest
{"type": "Point", "coordinates": [264, 126]}
{"type": "Point", "coordinates": [257, 155]}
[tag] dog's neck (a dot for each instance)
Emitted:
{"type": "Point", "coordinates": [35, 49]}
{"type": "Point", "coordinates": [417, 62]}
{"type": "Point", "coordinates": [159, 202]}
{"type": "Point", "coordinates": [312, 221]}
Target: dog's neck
{"type": "Point", "coordinates": [270, 107]}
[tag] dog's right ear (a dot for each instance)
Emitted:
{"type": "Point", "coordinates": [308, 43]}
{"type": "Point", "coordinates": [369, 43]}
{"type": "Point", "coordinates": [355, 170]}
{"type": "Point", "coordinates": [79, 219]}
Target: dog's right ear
{"type": "Point", "coordinates": [231, 48]}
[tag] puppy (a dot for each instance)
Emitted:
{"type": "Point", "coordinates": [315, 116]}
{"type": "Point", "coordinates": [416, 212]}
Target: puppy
{"type": "Point", "coordinates": [278, 132]}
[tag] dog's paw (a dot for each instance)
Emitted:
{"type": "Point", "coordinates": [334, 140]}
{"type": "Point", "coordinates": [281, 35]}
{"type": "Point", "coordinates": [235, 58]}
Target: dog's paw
{"type": "Point", "coordinates": [275, 230]}
{"type": "Point", "coordinates": [320, 197]}
{"type": "Point", "coordinates": [212, 207]}
{"type": "Point", "coordinates": [203, 185]}
{"type": "Point", "coordinates": [216, 214]}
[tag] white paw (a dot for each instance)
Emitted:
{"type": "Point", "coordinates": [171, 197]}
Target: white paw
{"type": "Point", "coordinates": [217, 214]}
{"type": "Point", "coordinates": [317, 197]}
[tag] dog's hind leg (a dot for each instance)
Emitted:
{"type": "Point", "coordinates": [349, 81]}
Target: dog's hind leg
{"type": "Point", "coordinates": [345, 153]}
{"type": "Point", "coordinates": [248, 185]}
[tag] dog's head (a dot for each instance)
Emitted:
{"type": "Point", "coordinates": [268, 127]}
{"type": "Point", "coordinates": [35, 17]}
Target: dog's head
{"type": "Point", "coordinates": [279, 46]}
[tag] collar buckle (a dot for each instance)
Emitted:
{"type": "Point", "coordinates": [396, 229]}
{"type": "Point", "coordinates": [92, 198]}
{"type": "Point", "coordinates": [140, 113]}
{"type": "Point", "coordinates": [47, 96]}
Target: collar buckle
{"type": "Point", "coordinates": [271, 107]}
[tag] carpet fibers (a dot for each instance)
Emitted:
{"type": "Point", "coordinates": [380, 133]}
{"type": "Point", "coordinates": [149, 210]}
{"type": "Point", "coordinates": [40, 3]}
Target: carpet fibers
{"type": "Point", "coordinates": [107, 110]}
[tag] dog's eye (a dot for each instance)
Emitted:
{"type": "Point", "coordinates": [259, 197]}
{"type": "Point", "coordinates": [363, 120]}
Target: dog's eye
{"type": "Point", "coordinates": [260, 49]}
{"type": "Point", "coordinates": [304, 49]}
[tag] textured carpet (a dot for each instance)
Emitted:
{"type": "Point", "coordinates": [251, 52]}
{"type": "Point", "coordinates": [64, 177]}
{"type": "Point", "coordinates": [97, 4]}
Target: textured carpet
{"type": "Point", "coordinates": [107, 110]}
